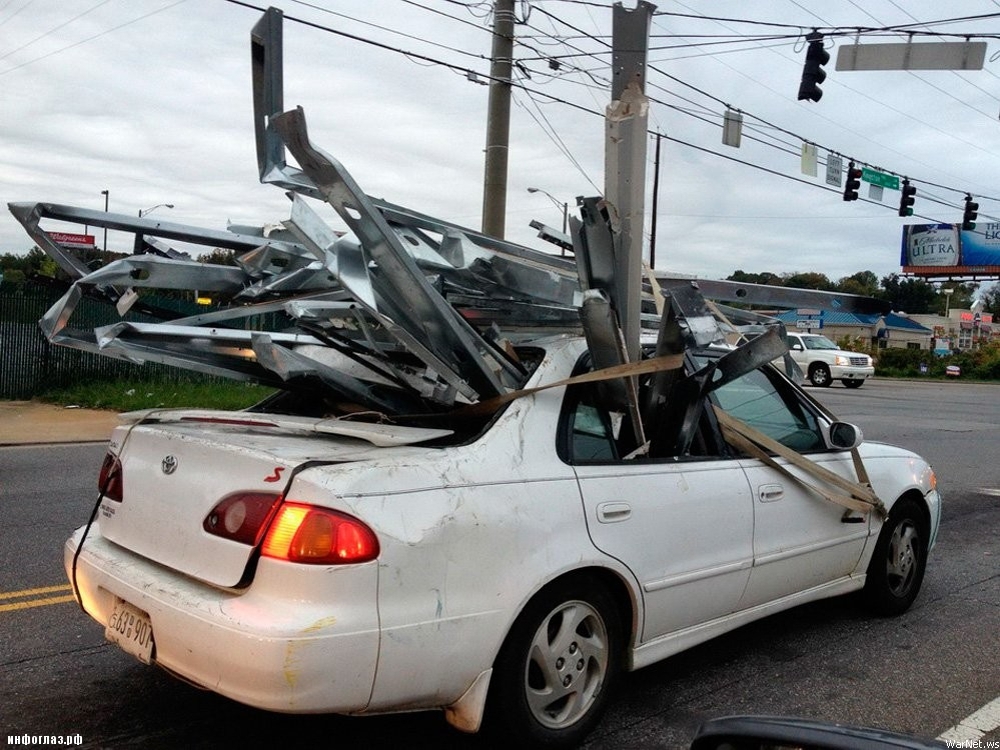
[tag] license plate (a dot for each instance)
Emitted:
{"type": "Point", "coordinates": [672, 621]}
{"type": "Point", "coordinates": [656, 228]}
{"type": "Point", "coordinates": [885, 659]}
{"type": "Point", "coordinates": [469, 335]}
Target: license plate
{"type": "Point", "coordinates": [130, 628]}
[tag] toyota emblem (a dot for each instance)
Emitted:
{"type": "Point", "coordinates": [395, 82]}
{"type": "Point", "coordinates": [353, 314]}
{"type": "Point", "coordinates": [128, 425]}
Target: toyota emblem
{"type": "Point", "coordinates": [169, 465]}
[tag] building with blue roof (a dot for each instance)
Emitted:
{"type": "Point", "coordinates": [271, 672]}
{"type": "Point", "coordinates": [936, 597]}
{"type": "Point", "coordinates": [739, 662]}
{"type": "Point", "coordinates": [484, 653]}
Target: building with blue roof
{"type": "Point", "coordinates": [889, 330]}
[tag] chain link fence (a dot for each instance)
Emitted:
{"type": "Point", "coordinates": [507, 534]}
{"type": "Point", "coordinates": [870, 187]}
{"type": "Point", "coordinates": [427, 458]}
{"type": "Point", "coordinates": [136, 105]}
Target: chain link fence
{"type": "Point", "coordinates": [30, 365]}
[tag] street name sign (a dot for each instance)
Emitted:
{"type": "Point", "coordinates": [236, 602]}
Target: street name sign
{"type": "Point", "coordinates": [912, 56]}
{"type": "Point", "coordinates": [880, 178]}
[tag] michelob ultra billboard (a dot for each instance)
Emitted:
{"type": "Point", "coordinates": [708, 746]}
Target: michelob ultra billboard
{"type": "Point", "coordinates": [949, 250]}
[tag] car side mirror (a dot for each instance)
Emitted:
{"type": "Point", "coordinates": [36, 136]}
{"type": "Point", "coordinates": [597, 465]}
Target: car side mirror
{"type": "Point", "coordinates": [796, 347]}
{"type": "Point", "coordinates": [845, 436]}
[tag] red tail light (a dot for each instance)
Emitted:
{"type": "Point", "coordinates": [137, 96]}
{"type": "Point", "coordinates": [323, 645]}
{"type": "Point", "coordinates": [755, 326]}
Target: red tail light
{"type": "Point", "coordinates": [307, 534]}
{"type": "Point", "coordinates": [242, 516]}
{"type": "Point", "coordinates": [109, 481]}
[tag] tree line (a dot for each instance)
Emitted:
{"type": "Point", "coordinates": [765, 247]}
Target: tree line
{"type": "Point", "coordinates": [907, 294]}
{"type": "Point", "coordinates": [21, 267]}
{"type": "Point", "coordinates": [904, 293]}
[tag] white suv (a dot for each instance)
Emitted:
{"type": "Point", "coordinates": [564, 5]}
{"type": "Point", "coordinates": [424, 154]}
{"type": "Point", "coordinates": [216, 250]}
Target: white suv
{"type": "Point", "coordinates": [823, 361]}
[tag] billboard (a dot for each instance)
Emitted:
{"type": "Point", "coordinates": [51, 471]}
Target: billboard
{"type": "Point", "coordinates": [949, 250]}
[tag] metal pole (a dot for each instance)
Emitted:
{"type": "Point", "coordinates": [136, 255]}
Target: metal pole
{"type": "Point", "coordinates": [561, 205]}
{"type": "Point", "coordinates": [498, 120]}
{"type": "Point", "coordinates": [107, 195]}
{"type": "Point", "coordinates": [625, 161]}
{"type": "Point", "coordinates": [145, 211]}
{"type": "Point", "coordinates": [656, 196]}
{"type": "Point", "coordinates": [139, 246]}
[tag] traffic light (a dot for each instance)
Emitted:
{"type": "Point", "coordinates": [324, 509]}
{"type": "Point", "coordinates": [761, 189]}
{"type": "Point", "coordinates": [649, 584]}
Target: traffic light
{"type": "Point", "coordinates": [853, 182]}
{"type": "Point", "coordinates": [971, 213]}
{"type": "Point", "coordinates": [907, 198]}
{"type": "Point", "coordinates": [812, 72]}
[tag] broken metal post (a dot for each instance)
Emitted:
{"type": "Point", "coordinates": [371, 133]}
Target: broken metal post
{"type": "Point", "coordinates": [267, 69]}
{"type": "Point", "coordinates": [29, 214]}
{"type": "Point", "coordinates": [392, 281]}
{"type": "Point", "coordinates": [625, 162]}
{"type": "Point", "coordinates": [404, 314]}
{"type": "Point", "coordinates": [268, 83]}
{"type": "Point", "coordinates": [773, 296]}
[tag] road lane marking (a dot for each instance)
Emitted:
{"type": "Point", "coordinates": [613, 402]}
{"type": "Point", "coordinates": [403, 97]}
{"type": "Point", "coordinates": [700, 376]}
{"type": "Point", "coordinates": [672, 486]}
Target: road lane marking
{"type": "Point", "coordinates": [35, 597]}
{"type": "Point", "coordinates": [37, 603]}
{"type": "Point", "coordinates": [974, 726]}
{"type": "Point", "coordinates": [33, 592]}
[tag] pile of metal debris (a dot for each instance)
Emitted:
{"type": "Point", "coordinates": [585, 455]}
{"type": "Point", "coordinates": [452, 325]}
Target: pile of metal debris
{"type": "Point", "coordinates": [402, 314]}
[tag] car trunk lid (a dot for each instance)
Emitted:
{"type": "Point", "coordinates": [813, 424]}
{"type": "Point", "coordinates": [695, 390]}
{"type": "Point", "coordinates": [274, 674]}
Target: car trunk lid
{"type": "Point", "coordinates": [179, 465]}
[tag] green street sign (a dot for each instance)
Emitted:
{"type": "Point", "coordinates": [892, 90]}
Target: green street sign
{"type": "Point", "coordinates": [880, 178]}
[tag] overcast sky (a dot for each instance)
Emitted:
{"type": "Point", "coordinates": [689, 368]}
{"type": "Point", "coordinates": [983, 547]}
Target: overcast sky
{"type": "Point", "coordinates": [151, 100]}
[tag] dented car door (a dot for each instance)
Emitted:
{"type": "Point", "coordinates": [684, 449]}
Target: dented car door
{"type": "Point", "coordinates": [801, 540]}
{"type": "Point", "coordinates": [684, 527]}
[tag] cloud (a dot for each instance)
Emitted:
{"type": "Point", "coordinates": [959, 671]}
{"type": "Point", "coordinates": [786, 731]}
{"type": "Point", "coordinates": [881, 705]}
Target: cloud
{"type": "Point", "coordinates": [151, 100]}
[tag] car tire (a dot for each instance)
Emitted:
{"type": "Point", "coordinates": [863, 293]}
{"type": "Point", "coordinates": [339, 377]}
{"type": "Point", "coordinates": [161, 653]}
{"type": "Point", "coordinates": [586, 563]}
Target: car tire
{"type": "Point", "coordinates": [852, 383]}
{"type": "Point", "coordinates": [554, 673]}
{"type": "Point", "coordinates": [897, 566]}
{"type": "Point", "coordinates": [819, 375]}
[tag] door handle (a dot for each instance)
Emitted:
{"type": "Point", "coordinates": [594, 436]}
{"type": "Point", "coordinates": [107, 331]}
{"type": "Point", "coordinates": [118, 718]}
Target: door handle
{"type": "Point", "coordinates": [613, 512]}
{"type": "Point", "coordinates": [768, 493]}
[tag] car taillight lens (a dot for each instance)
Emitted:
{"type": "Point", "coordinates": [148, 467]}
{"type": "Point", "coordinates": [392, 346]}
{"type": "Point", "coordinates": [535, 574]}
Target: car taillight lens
{"type": "Point", "coordinates": [307, 534]}
{"type": "Point", "coordinates": [242, 516]}
{"type": "Point", "coordinates": [109, 481]}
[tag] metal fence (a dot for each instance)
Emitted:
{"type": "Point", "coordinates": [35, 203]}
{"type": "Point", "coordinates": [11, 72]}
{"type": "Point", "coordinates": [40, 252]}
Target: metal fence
{"type": "Point", "coordinates": [30, 365]}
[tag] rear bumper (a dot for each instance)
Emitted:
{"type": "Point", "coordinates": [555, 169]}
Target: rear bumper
{"type": "Point", "coordinates": [251, 645]}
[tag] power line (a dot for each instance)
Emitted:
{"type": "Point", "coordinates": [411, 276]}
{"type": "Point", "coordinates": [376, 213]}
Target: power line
{"type": "Point", "coordinates": [16, 12]}
{"type": "Point", "coordinates": [829, 29]}
{"type": "Point", "coordinates": [54, 29]}
{"type": "Point", "coordinates": [89, 38]}
{"type": "Point", "coordinates": [775, 127]}
{"type": "Point", "coordinates": [364, 40]}
{"type": "Point", "coordinates": [533, 92]}
{"type": "Point", "coordinates": [477, 26]}
{"type": "Point", "coordinates": [550, 131]}
{"type": "Point", "coordinates": [924, 80]}
{"type": "Point", "coordinates": [860, 135]}
{"type": "Point", "coordinates": [380, 27]}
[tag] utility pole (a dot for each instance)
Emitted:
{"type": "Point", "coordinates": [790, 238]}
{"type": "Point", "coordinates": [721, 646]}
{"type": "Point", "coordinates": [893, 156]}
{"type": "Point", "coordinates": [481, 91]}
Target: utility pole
{"type": "Point", "coordinates": [498, 120]}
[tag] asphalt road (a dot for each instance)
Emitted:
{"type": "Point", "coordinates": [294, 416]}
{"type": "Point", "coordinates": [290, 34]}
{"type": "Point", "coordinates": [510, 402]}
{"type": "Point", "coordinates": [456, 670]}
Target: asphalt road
{"type": "Point", "coordinates": [920, 673]}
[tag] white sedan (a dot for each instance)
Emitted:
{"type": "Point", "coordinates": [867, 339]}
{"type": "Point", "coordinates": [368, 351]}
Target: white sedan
{"type": "Point", "coordinates": [503, 567]}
